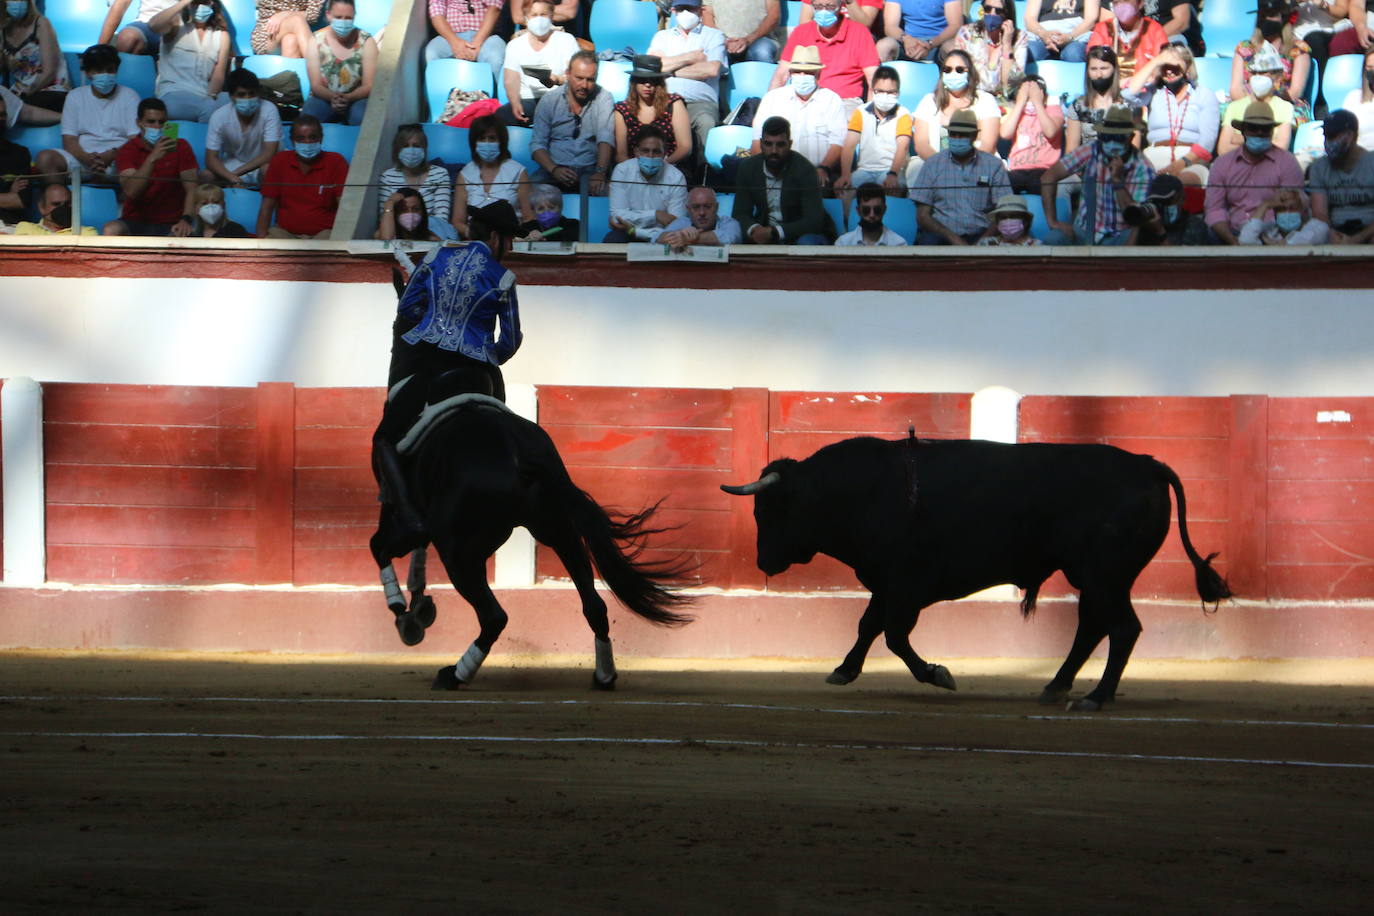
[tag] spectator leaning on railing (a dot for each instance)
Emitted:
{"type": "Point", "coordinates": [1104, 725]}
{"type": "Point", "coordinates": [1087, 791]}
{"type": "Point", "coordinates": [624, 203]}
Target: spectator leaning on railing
{"type": "Point", "coordinates": [872, 208]}
{"type": "Point", "coordinates": [55, 214]}
{"type": "Point", "coordinates": [703, 224]}
{"type": "Point", "coordinates": [1290, 224]}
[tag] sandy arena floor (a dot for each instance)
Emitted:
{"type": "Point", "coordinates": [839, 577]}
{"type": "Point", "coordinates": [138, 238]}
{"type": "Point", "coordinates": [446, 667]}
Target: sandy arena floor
{"type": "Point", "coordinates": [257, 783]}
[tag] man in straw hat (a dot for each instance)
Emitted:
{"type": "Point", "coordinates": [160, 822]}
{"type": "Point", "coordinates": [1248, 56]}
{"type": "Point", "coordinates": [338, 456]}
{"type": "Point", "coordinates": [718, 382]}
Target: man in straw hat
{"type": "Point", "coordinates": [1343, 182]}
{"type": "Point", "coordinates": [816, 115]}
{"type": "Point", "coordinates": [1115, 176]}
{"type": "Point", "coordinates": [957, 187]}
{"type": "Point", "coordinates": [694, 59]}
{"type": "Point", "coordinates": [1241, 179]}
{"type": "Point", "coordinates": [846, 49]}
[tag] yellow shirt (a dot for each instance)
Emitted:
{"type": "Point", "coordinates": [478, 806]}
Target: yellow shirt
{"type": "Point", "coordinates": [38, 229]}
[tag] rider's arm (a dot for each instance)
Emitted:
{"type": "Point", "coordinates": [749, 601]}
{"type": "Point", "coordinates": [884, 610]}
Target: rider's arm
{"type": "Point", "coordinates": [509, 316]}
{"type": "Point", "coordinates": [415, 300]}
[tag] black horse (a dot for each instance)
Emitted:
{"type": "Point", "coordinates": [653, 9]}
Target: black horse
{"type": "Point", "coordinates": [478, 472]}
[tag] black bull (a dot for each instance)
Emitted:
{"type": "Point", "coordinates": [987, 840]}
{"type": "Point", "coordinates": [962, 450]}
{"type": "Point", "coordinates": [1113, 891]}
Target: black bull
{"type": "Point", "coordinates": [922, 521]}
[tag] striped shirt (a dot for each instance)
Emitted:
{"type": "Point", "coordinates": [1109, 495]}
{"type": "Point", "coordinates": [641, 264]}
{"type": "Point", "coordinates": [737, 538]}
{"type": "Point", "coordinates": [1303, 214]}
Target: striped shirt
{"type": "Point", "coordinates": [1097, 181]}
{"type": "Point", "coordinates": [961, 193]}
{"type": "Point", "coordinates": [437, 191]}
{"type": "Point", "coordinates": [463, 15]}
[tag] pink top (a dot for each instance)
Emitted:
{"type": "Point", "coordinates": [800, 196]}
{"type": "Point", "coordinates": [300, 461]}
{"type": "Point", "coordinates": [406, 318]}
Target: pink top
{"type": "Point", "coordinates": [1030, 148]}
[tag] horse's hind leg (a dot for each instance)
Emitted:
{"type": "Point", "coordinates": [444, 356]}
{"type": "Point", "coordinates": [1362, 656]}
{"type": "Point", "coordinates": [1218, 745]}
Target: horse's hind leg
{"type": "Point", "coordinates": [568, 546]}
{"type": "Point", "coordinates": [468, 572]}
{"type": "Point", "coordinates": [421, 605]}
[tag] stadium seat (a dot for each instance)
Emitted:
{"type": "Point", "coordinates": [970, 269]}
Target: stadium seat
{"type": "Point", "coordinates": [1310, 137]}
{"type": "Point", "coordinates": [725, 140]}
{"type": "Point", "coordinates": [98, 206]}
{"type": "Point", "coordinates": [725, 205]}
{"type": "Point", "coordinates": [341, 139]}
{"type": "Point", "coordinates": [572, 207]}
{"type": "Point", "coordinates": [371, 15]}
{"type": "Point", "coordinates": [36, 139]}
{"type": "Point", "coordinates": [791, 14]}
{"type": "Point", "coordinates": [835, 207]}
{"type": "Point", "coordinates": [614, 77]}
{"type": "Point", "coordinates": [1214, 74]}
{"type": "Point", "coordinates": [598, 219]}
{"type": "Point", "coordinates": [242, 205]}
{"type": "Point", "coordinates": [918, 81]}
{"type": "Point", "coordinates": [242, 16]}
{"type": "Point", "coordinates": [747, 79]}
{"type": "Point", "coordinates": [194, 133]}
{"type": "Point", "coordinates": [77, 22]}
{"type": "Point", "coordinates": [74, 68]}
{"type": "Point", "coordinates": [1039, 227]}
{"type": "Point", "coordinates": [139, 73]}
{"type": "Point", "coordinates": [444, 75]}
{"type": "Point", "coordinates": [1342, 74]}
{"type": "Point", "coordinates": [519, 146]}
{"type": "Point", "coordinates": [263, 65]}
{"type": "Point", "coordinates": [900, 218]}
{"type": "Point", "coordinates": [619, 24]}
{"type": "Point", "coordinates": [447, 144]}
{"type": "Point", "coordinates": [1061, 78]}
{"type": "Point", "coordinates": [1225, 24]}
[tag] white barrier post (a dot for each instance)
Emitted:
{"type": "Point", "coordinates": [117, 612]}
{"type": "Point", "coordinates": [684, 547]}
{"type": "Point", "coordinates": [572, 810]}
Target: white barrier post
{"type": "Point", "coordinates": [21, 414]}
{"type": "Point", "coordinates": [515, 558]}
{"type": "Point", "coordinates": [994, 414]}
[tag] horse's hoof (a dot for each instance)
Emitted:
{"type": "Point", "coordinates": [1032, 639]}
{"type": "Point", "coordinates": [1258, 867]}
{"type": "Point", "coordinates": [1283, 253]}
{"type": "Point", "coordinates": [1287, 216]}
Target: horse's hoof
{"type": "Point", "coordinates": [422, 606]}
{"type": "Point", "coordinates": [840, 677]}
{"type": "Point", "coordinates": [939, 676]}
{"type": "Point", "coordinates": [446, 679]}
{"type": "Point", "coordinates": [1052, 696]}
{"type": "Point", "coordinates": [412, 632]}
{"type": "Point", "coordinates": [396, 605]}
{"type": "Point", "coordinates": [599, 684]}
{"type": "Point", "coordinates": [1083, 705]}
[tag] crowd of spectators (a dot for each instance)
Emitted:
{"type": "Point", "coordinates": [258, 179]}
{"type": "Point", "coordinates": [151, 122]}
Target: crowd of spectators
{"type": "Point", "coordinates": [1144, 154]}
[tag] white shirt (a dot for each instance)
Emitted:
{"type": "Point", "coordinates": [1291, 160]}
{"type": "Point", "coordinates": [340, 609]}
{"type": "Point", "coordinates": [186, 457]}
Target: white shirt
{"type": "Point", "coordinates": [984, 107]}
{"type": "Point", "coordinates": [147, 9]}
{"type": "Point", "coordinates": [505, 186]}
{"type": "Point", "coordinates": [856, 237]}
{"type": "Point", "coordinates": [188, 59]}
{"type": "Point", "coordinates": [818, 122]}
{"type": "Point", "coordinates": [671, 42]}
{"type": "Point", "coordinates": [100, 124]}
{"type": "Point", "coordinates": [236, 142]}
{"type": "Point", "coordinates": [637, 200]}
{"type": "Point", "coordinates": [1364, 113]}
{"type": "Point", "coordinates": [13, 104]}
{"type": "Point", "coordinates": [1312, 232]}
{"type": "Point", "coordinates": [555, 55]}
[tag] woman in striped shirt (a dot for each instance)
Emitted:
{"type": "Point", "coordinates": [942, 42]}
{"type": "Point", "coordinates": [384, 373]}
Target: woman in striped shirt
{"type": "Point", "coordinates": [410, 153]}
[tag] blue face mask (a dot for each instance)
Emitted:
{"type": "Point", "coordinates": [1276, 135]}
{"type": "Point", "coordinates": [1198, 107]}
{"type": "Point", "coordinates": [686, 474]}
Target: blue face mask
{"type": "Point", "coordinates": [1114, 147]}
{"type": "Point", "coordinates": [342, 27]}
{"type": "Point", "coordinates": [1258, 145]}
{"type": "Point", "coordinates": [954, 82]}
{"type": "Point", "coordinates": [826, 18]}
{"type": "Point", "coordinates": [1171, 214]}
{"type": "Point", "coordinates": [152, 135]}
{"type": "Point", "coordinates": [650, 165]}
{"type": "Point", "coordinates": [247, 107]}
{"type": "Point", "coordinates": [488, 150]}
{"type": "Point", "coordinates": [547, 218]}
{"type": "Point", "coordinates": [992, 21]}
{"type": "Point", "coordinates": [203, 13]}
{"type": "Point", "coordinates": [411, 156]}
{"type": "Point", "coordinates": [307, 151]}
{"type": "Point", "coordinates": [103, 83]}
{"type": "Point", "coordinates": [1288, 220]}
{"type": "Point", "coordinates": [17, 9]}
{"type": "Point", "coordinates": [960, 146]}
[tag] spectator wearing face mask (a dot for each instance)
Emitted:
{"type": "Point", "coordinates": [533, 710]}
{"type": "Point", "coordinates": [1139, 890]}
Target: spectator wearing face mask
{"type": "Point", "coordinates": [55, 214]}
{"type": "Point", "coordinates": [342, 65]}
{"type": "Point", "coordinates": [872, 207]}
{"type": "Point", "coordinates": [867, 13]}
{"type": "Point", "coordinates": [1060, 28]}
{"type": "Point", "coordinates": [703, 224]}
{"type": "Point", "coordinates": [693, 56]}
{"type": "Point", "coordinates": [31, 61]}
{"type": "Point", "coordinates": [752, 28]}
{"type": "Point", "coordinates": [957, 91]}
{"type": "Point", "coordinates": [1264, 70]}
{"type": "Point", "coordinates": [1291, 222]}
{"type": "Point", "coordinates": [411, 168]}
{"type": "Point", "coordinates": [997, 47]}
{"type": "Point", "coordinates": [194, 59]}
{"type": "Point", "coordinates": [1245, 177]}
{"type": "Point", "coordinates": [302, 188]}
{"type": "Point", "coordinates": [1162, 221]}
{"type": "Point", "coordinates": [1182, 119]}
{"type": "Point", "coordinates": [244, 135]}
{"type": "Point", "coordinates": [1135, 37]}
{"type": "Point", "coordinates": [957, 187]}
{"type": "Point", "coordinates": [1342, 182]}
{"type": "Point", "coordinates": [880, 136]}
{"type": "Point", "coordinates": [549, 223]}
{"type": "Point", "coordinates": [137, 36]}
{"type": "Point", "coordinates": [647, 194]}
{"type": "Point", "coordinates": [405, 216]}
{"type": "Point", "coordinates": [209, 219]}
{"type": "Point", "coordinates": [1114, 177]}
{"type": "Point", "coordinates": [465, 29]}
{"type": "Point", "coordinates": [157, 179]}
{"type": "Point", "coordinates": [1287, 58]}
{"type": "Point", "coordinates": [1101, 90]}
{"type": "Point", "coordinates": [1035, 127]}
{"type": "Point", "coordinates": [815, 115]}
{"type": "Point", "coordinates": [492, 174]}
{"type": "Point", "coordinates": [919, 29]}
{"type": "Point", "coordinates": [777, 196]}
{"type": "Point", "coordinates": [845, 48]}
{"type": "Point", "coordinates": [97, 119]}
{"type": "Point", "coordinates": [1010, 224]}
{"type": "Point", "coordinates": [536, 61]}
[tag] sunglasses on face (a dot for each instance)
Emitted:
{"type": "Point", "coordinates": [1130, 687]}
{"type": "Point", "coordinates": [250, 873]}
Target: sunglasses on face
{"type": "Point", "coordinates": [1170, 71]}
{"type": "Point", "coordinates": [872, 211]}
{"type": "Point", "coordinates": [958, 69]}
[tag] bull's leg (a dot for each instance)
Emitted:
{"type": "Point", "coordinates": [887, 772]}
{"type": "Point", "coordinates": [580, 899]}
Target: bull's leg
{"type": "Point", "coordinates": [900, 621]}
{"type": "Point", "coordinates": [1085, 640]}
{"type": "Point", "coordinates": [468, 572]}
{"type": "Point", "coordinates": [1123, 629]}
{"type": "Point", "coordinates": [870, 625]}
{"type": "Point", "coordinates": [565, 542]}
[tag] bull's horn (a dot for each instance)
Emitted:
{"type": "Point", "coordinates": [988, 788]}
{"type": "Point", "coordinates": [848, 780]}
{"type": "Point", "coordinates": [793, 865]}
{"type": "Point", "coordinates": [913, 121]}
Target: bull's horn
{"type": "Point", "coordinates": [748, 489]}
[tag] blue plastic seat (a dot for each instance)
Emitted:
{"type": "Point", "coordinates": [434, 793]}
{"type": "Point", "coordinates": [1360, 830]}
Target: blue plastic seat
{"type": "Point", "coordinates": [747, 79]}
{"type": "Point", "coordinates": [598, 220]}
{"type": "Point", "coordinates": [194, 133]}
{"type": "Point", "coordinates": [725, 140]}
{"type": "Point", "coordinates": [1214, 74]}
{"type": "Point", "coordinates": [519, 146]}
{"type": "Point", "coordinates": [1039, 227]}
{"type": "Point", "coordinates": [1343, 74]}
{"type": "Point", "coordinates": [835, 207]}
{"type": "Point", "coordinates": [572, 207]}
{"type": "Point", "coordinates": [447, 74]}
{"type": "Point", "coordinates": [98, 206]}
{"type": "Point", "coordinates": [77, 22]}
{"type": "Point", "coordinates": [263, 65]}
{"type": "Point", "coordinates": [918, 81]}
{"type": "Point", "coordinates": [900, 217]}
{"type": "Point", "coordinates": [1062, 77]}
{"type": "Point", "coordinates": [613, 76]}
{"type": "Point", "coordinates": [725, 204]}
{"type": "Point", "coordinates": [619, 24]}
{"type": "Point", "coordinates": [371, 15]}
{"type": "Point", "coordinates": [791, 14]}
{"type": "Point", "coordinates": [139, 73]}
{"type": "Point", "coordinates": [341, 139]}
{"type": "Point", "coordinates": [1311, 136]}
{"type": "Point", "coordinates": [1225, 24]}
{"type": "Point", "coordinates": [242, 16]}
{"type": "Point", "coordinates": [37, 139]}
{"type": "Point", "coordinates": [448, 144]}
{"type": "Point", "coordinates": [242, 205]}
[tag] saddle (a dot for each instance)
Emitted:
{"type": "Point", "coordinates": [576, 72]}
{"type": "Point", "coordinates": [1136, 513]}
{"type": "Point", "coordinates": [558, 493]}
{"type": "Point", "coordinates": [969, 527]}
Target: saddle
{"type": "Point", "coordinates": [439, 404]}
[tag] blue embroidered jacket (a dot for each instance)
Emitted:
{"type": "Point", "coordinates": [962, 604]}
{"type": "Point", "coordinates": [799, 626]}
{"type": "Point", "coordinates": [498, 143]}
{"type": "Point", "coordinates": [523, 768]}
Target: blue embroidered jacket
{"type": "Point", "coordinates": [458, 294]}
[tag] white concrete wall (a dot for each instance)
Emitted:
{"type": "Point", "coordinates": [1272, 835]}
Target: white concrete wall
{"type": "Point", "coordinates": [233, 332]}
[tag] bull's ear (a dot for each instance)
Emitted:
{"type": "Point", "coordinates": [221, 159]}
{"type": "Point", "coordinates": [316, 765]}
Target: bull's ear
{"type": "Point", "coordinates": [748, 489]}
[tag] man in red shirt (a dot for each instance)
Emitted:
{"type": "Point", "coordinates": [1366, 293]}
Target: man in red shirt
{"type": "Point", "coordinates": [158, 176]}
{"type": "Point", "coordinates": [848, 54]}
{"type": "Point", "coordinates": [302, 187]}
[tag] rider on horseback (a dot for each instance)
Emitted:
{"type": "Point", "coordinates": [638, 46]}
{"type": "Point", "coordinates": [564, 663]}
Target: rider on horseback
{"type": "Point", "coordinates": [444, 341]}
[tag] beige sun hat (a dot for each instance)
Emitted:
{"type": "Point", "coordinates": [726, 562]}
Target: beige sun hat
{"type": "Point", "coordinates": [805, 59]}
{"type": "Point", "coordinates": [1257, 114]}
{"type": "Point", "coordinates": [963, 121]}
{"type": "Point", "coordinates": [1011, 205]}
{"type": "Point", "coordinates": [1118, 121]}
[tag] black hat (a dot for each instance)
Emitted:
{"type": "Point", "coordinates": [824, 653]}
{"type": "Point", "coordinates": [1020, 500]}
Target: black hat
{"type": "Point", "coordinates": [1340, 121]}
{"type": "Point", "coordinates": [498, 216]}
{"type": "Point", "coordinates": [647, 67]}
{"type": "Point", "coordinates": [1164, 187]}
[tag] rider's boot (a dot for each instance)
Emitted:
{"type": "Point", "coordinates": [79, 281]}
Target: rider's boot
{"type": "Point", "coordinates": [395, 490]}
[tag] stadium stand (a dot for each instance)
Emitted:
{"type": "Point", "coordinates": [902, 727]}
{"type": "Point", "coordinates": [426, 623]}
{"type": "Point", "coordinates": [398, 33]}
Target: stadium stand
{"type": "Point", "coordinates": [443, 76]}
{"type": "Point", "coordinates": [617, 25]}
{"type": "Point", "coordinates": [264, 65]}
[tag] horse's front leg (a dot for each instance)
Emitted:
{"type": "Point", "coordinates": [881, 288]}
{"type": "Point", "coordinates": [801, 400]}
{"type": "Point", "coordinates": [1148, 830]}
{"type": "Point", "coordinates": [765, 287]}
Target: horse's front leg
{"type": "Point", "coordinates": [421, 605]}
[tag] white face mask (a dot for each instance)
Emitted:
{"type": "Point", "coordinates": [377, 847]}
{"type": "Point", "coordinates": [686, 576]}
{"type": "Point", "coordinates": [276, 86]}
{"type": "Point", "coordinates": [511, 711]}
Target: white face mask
{"type": "Point", "coordinates": [803, 83]}
{"type": "Point", "coordinates": [539, 25]}
{"type": "Point", "coordinates": [210, 213]}
{"type": "Point", "coordinates": [1261, 85]}
{"type": "Point", "coordinates": [884, 101]}
{"type": "Point", "coordinates": [687, 20]}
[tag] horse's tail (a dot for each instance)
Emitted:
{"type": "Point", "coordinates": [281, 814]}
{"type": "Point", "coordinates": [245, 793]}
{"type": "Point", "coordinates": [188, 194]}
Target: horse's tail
{"type": "Point", "coordinates": [616, 545]}
{"type": "Point", "coordinates": [1211, 587]}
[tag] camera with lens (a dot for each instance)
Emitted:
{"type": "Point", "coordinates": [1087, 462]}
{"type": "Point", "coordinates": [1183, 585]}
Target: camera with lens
{"type": "Point", "coordinates": [1140, 214]}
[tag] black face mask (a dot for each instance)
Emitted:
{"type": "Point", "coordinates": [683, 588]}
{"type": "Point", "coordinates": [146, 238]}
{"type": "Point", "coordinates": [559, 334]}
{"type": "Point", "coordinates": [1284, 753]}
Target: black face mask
{"type": "Point", "coordinates": [61, 215]}
{"type": "Point", "coordinates": [1271, 28]}
{"type": "Point", "coordinates": [1100, 84]}
{"type": "Point", "coordinates": [1369, 78]}
{"type": "Point", "coordinates": [1175, 86]}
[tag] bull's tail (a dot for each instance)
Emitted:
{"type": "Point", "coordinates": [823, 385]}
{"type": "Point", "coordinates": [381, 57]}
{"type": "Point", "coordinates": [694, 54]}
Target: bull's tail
{"type": "Point", "coordinates": [616, 545]}
{"type": "Point", "coordinates": [1211, 586]}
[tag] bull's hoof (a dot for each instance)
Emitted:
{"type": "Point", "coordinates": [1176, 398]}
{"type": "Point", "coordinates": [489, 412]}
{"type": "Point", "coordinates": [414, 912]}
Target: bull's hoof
{"type": "Point", "coordinates": [1053, 696]}
{"type": "Point", "coordinates": [446, 679]}
{"type": "Point", "coordinates": [841, 677]}
{"type": "Point", "coordinates": [1084, 704]}
{"type": "Point", "coordinates": [599, 684]}
{"type": "Point", "coordinates": [411, 630]}
{"type": "Point", "coordinates": [422, 606]}
{"type": "Point", "coordinates": [939, 676]}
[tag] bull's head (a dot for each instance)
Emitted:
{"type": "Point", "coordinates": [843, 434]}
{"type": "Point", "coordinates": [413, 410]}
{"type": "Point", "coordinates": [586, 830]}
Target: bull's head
{"type": "Point", "coordinates": [785, 530]}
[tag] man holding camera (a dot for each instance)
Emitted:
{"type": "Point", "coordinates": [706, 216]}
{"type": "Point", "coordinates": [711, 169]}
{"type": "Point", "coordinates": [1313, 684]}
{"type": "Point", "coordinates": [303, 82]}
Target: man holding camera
{"type": "Point", "coordinates": [1161, 219]}
{"type": "Point", "coordinates": [1115, 177]}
